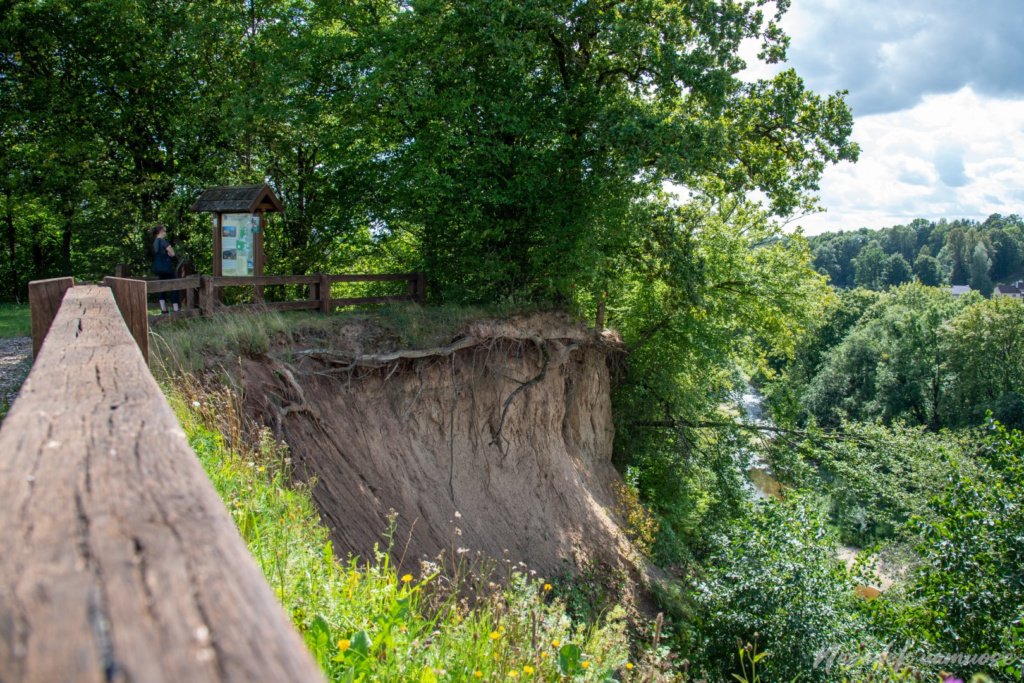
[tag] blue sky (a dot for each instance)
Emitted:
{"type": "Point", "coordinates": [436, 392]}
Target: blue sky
{"type": "Point", "coordinates": [937, 92]}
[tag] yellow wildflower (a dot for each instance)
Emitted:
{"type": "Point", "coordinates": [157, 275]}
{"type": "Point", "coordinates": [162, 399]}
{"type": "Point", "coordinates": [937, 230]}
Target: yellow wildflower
{"type": "Point", "coordinates": [585, 664]}
{"type": "Point", "coordinates": [495, 635]}
{"type": "Point", "coordinates": [547, 586]}
{"type": "Point", "coordinates": [513, 674]}
{"type": "Point", "coordinates": [478, 673]}
{"type": "Point", "coordinates": [344, 644]}
{"type": "Point", "coordinates": [527, 669]}
{"type": "Point", "coordinates": [555, 643]}
{"type": "Point", "coordinates": [407, 578]}
{"type": "Point", "coordinates": [629, 666]}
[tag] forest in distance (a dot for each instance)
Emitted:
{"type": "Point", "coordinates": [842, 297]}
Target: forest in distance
{"type": "Point", "coordinates": [518, 154]}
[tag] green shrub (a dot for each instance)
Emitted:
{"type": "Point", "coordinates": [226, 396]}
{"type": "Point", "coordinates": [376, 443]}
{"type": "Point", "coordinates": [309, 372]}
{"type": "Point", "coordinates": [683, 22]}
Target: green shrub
{"type": "Point", "coordinates": [773, 580]}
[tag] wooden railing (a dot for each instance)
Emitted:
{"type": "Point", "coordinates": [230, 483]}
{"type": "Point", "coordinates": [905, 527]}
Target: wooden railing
{"type": "Point", "coordinates": [201, 292]}
{"type": "Point", "coordinates": [118, 561]}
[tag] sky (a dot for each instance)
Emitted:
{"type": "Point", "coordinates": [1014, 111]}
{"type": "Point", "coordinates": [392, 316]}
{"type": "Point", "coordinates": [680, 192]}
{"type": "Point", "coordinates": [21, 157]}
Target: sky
{"type": "Point", "coordinates": [937, 92]}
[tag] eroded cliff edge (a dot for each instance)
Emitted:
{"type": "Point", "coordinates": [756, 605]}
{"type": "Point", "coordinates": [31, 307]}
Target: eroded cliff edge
{"type": "Point", "coordinates": [499, 441]}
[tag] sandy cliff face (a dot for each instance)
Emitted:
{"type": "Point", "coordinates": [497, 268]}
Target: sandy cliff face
{"type": "Point", "coordinates": [499, 442]}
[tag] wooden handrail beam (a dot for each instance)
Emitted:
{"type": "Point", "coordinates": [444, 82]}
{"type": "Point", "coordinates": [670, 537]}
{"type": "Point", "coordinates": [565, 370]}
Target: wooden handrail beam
{"type": "Point", "coordinates": [250, 280]}
{"type": "Point", "coordinates": [390, 277]}
{"type": "Point", "coordinates": [44, 297]}
{"type": "Point", "coordinates": [119, 560]}
{"type": "Point", "coordinates": [190, 282]}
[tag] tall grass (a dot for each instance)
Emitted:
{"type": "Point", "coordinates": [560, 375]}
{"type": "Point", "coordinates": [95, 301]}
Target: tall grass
{"type": "Point", "coordinates": [360, 618]}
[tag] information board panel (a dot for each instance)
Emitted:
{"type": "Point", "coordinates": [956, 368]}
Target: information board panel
{"type": "Point", "coordinates": [237, 234]}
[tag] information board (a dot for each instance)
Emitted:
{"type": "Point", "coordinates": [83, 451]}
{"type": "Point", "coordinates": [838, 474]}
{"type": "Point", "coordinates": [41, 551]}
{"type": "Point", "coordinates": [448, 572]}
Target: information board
{"type": "Point", "coordinates": [236, 237]}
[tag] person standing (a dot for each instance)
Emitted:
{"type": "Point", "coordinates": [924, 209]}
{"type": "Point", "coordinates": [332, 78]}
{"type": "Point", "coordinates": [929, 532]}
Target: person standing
{"type": "Point", "coordinates": [163, 264]}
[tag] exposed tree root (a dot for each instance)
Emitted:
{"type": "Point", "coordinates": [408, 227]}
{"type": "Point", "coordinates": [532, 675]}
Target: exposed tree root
{"type": "Point", "coordinates": [523, 386]}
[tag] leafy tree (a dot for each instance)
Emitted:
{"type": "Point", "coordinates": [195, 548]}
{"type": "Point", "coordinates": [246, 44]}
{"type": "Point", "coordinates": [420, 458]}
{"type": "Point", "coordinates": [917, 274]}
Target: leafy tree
{"type": "Point", "coordinates": [927, 270]}
{"type": "Point", "coordinates": [727, 291]}
{"type": "Point", "coordinates": [774, 579]}
{"type": "Point", "coordinates": [960, 259]}
{"type": "Point", "coordinates": [896, 271]}
{"type": "Point", "coordinates": [970, 580]}
{"type": "Point", "coordinates": [869, 266]}
{"type": "Point", "coordinates": [985, 361]}
{"type": "Point", "coordinates": [980, 266]}
{"type": "Point", "coordinates": [525, 139]}
{"type": "Point", "coordinates": [876, 478]}
{"type": "Point", "coordinates": [790, 375]}
{"type": "Point", "coordinates": [891, 365]}
{"type": "Point", "coordinates": [1007, 257]}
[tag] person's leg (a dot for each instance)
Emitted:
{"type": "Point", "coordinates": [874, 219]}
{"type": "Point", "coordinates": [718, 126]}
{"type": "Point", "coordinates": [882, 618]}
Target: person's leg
{"type": "Point", "coordinates": [163, 295]}
{"type": "Point", "coordinates": [174, 299]}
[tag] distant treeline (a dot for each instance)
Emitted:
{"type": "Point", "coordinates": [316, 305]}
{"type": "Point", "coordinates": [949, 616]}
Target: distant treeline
{"type": "Point", "coordinates": [959, 252]}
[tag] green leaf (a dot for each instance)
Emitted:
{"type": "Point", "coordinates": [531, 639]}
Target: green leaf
{"type": "Point", "coordinates": [569, 656]}
{"type": "Point", "coordinates": [318, 638]}
{"type": "Point", "coordinates": [361, 643]}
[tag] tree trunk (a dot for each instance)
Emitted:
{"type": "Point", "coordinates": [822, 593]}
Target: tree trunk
{"type": "Point", "coordinates": [38, 262]}
{"type": "Point", "coordinates": [12, 242]}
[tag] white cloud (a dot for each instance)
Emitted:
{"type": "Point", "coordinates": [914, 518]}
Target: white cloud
{"type": "Point", "coordinates": [889, 55]}
{"type": "Point", "coordinates": [958, 155]}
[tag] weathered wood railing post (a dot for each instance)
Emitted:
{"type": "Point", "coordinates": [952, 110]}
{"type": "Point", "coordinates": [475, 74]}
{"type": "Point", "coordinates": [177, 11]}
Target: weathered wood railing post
{"type": "Point", "coordinates": [119, 562]}
{"type": "Point", "coordinates": [325, 294]}
{"type": "Point", "coordinates": [421, 287]}
{"type": "Point", "coordinates": [207, 298]}
{"type": "Point", "coordinates": [130, 296]}
{"type": "Point", "coordinates": [44, 298]}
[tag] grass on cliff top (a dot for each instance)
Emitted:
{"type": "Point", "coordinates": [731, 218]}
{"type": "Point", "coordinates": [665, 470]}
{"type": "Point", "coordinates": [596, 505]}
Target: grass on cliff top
{"type": "Point", "coordinates": [15, 321]}
{"type": "Point", "coordinates": [362, 620]}
{"type": "Point", "coordinates": [189, 345]}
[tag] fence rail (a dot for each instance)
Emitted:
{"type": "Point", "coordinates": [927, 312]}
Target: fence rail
{"type": "Point", "coordinates": [202, 296]}
{"type": "Point", "coordinates": [119, 560]}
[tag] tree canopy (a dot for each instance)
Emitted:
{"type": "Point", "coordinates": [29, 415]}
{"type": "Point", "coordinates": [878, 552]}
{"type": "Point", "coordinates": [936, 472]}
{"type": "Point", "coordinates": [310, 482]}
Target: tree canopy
{"type": "Point", "coordinates": [512, 148]}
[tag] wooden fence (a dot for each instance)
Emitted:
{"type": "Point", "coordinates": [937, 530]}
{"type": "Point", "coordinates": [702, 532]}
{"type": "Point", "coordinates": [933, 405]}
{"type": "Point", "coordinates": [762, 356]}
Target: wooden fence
{"type": "Point", "coordinates": [202, 296]}
{"type": "Point", "coordinates": [118, 561]}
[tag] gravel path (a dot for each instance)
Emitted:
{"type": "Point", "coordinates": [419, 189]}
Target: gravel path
{"type": "Point", "coordinates": [15, 361]}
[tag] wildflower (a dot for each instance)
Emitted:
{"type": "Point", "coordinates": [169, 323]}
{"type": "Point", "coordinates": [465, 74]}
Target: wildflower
{"type": "Point", "coordinates": [513, 674]}
{"type": "Point", "coordinates": [344, 644]}
{"type": "Point", "coordinates": [528, 670]}
{"type": "Point", "coordinates": [629, 666]}
{"type": "Point", "coordinates": [478, 673]}
{"type": "Point", "coordinates": [261, 468]}
{"type": "Point", "coordinates": [407, 578]}
{"type": "Point", "coordinates": [543, 655]}
{"type": "Point", "coordinates": [495, 635]}
{"type": "Point", "coordinates": [585, 664]}
{"type": "Point", "coordinates": [547, 587]}
{"type": "Point", "coordinates": [555, 643]}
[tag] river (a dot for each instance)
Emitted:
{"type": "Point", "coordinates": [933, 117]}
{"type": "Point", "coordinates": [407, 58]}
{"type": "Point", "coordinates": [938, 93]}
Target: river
{"type": "Point", "coordinates": [762, 484]}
